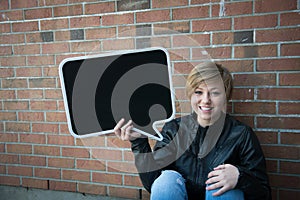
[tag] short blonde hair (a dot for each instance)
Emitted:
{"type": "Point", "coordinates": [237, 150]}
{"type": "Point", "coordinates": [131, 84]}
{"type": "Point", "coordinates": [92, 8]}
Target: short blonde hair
{"type": "Point", "coordinates": [208, 71]}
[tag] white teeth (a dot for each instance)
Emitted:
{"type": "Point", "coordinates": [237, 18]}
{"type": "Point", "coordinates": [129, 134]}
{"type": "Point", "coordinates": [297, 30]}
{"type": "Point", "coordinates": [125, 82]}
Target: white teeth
{"type": "Point", "coordinates": [205, 109]}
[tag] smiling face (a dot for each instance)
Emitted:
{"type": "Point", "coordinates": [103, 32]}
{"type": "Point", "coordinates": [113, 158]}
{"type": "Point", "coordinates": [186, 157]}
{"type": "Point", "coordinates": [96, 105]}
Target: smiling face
{"type": "Point", "coordinates": [208, 102]}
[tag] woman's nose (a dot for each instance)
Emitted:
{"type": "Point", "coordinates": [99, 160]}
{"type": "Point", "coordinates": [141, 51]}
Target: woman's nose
{"type": "Point", "coordinates": [206, 97]}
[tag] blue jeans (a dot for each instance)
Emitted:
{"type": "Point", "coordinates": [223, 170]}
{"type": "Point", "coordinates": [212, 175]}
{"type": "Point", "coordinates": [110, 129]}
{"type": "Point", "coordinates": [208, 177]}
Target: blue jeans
{"type": "Point", "coordinates": [170, 185]}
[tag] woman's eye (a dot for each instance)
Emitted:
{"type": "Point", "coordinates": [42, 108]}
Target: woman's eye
{"type": "Point", "coordinates": [215, 93]}
{"type": "Point", "coordinates": [198, 92]}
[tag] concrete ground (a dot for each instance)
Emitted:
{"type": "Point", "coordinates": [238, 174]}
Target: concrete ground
{"type": "Point", "coordinates": [20, 193]}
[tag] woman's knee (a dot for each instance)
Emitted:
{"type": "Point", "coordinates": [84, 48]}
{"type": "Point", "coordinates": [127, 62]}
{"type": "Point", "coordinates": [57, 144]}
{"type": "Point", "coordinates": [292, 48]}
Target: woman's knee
{"type": "Point", "coordinates": [234, 194]}
{"type": "Point", "coordinates": [169, 185]}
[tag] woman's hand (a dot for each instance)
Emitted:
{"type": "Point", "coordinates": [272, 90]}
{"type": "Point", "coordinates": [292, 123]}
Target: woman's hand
{"type": "Point", "coordinates": [124, 132]}
{"type": "Point", "coordinates": [224, 177]}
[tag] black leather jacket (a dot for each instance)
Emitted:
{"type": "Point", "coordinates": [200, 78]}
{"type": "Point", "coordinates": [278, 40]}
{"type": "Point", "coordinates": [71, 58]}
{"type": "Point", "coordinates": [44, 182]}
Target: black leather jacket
{"type": "Point", "coordinates": [179, 150]}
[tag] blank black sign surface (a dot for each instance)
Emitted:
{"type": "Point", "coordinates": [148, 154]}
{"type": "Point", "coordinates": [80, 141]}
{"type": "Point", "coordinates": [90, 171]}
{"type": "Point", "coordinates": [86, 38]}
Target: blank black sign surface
{"type": "Point", "coordinates": [100, 90]}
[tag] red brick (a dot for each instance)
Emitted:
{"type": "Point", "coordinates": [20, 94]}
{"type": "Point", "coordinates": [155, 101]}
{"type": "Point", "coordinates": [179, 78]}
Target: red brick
{"type": "Point", "coordinates": [285, 34]}
{"type": "Point", "coordinates": [254, 108]}
{"type": "Point", "coordinates": [211, 25]}
{"type": "Point", "coordinates": [99, 8]}
{"type": "Point", "coordinates": [285, 181]}
{"type": "Point", "coordinates": [274, 5]}
{"type": "Point", "coordinates": [62, 186]}
{"type": "Point", "coordinates": [4, 5]}
{"type": "Point", "coordinates": [61, 162]}
{"type": "Point", "coordinates": [75, 152]}
{"type": "Point", "coordinates": [107, 178]}
{"type": "Point", "coordinates": [289, 19]}
{"type": "Point", "coordinates": [223, 38]}
{"type": "Point", "coordinates": [33, 138]}
{"type": "Point", "coordinates": [44, 128]}
{"type": "Point", "coordinates": [43, 105]}
{"type": "Point", "coordinates": [250, 22]}
{"type": "Point", "coordinates": [19, 148]}
{"type": "Point", "coordinates": [83, 22]}
{"type": "Point", "coordinates": [92, 189]}
{"type": "Point", "coordinates": [39, 13]}
{"type": "Point", "coordinates": [12, 15]}
{"type": "Point", "coordinates": [289, 194]}
{"type": "Point", "coordinates": [212, 53]}
{"type": "Point", "coordinates": [50, 71]}
{"type": "Point", "coordinates": [8, 94]}
{"type": "Point", "coordinates": [279, 94]}
{"type": "Point", "coordinates": [124, 192]}
{"type": "Point", "coordinates": [47, 150]}
{"type": "Point", "coordinates": [9, 158]}
{"type": "Point", "coordinates": [128, 155]}
{"type": "Point", "coordinates": [35, 183]}
{"type": "Point", "coordinates": [14, 83]}
{"type": "Point", "coordinates": [8, 137]}
{"type": "Point", "coordinates": [56, 116]}
{"type": "Point", "coordinates": [42, 83]}
{"type": "Point", "coordinates": [23, 4]}
{"type": "Point", "coordinates": [106, 154]}
{"type": "Point", "coordinates": [5, 50]}
{"type": "Point", "coordinates": [40, 60]}
{"type": "Point", "coordinates": [117, 19]}
{"type": "Point", "coordinates": [153, 16]}
{"type": "Point", "coordinates": [85, 46]}
{"type": "Point", "coordinates": [8, 116]}
{"type": "Point", "coordinates": [31, 116]}
{"type": "Point", "coordinates": [121, 44]}
{"type": "Point", "coordinates": [53, 94]}
{"type": "Point", "coordinates": [47, 173]}
{"type": "Point", "coordinates": [19, 170]}
{"type": "Point", "coordinates": [12, 39]}
{"type": "Point", "coordinates": [282, 152]}
{"type": "Point", "coordinates": [171, 28]}
{"type": "Point", "coordinates": [132, 181]}
{"type": "Point", "coordinates": [76, 175]}
{"type": "Point", "coordinates": [30, 94]}
{"type": "Point", "coordinates": [25, 26]}
{"type": "Point", "coordinates": [9, 180]}
{"type": "Point", "coordinates": [255, 51]}
{"type": "Point", "coordinates": [13, 61]}
{"type": "Point", "coordinates": [232, 9]}
{"type": "Point", "coordinates": [16, 105]}
{"type": "Point", "coordinates": [33, 37]}
{"type": "Point", "coordinates": [17, 127]}
{"type": "Point", "coordinates": [3, 167]}
{"type": "Point", "coordinates": [254, 79]}
{"type": "Point", "coordinates": [289, 79]}
{"type": "Point", "coordinates": [168, 4]}
{"type": "Point", "coordinates": [190, 12]}
{"type": "Point", "coordinates": [29, 72]}
{"type": "Point", "coordinates": [54, 24]}
{"type": "Point", "coordinates": [72, 10]}
{"type": "Point", "coordinates": [267, 137]}
{"type": "Point", "coordinates": [6, 72]}
{"type": "Point", "coordinates": [100, 33]}
{"type": "Point", "coordinates": [290, 49]}
{"type": "Point", "coordinates": [289, 167]}
{"type": "Point", "coordinates": [237, 65]}
{"type": "Point", "coordinates": [285, 64]}
{"type": "Point", "coordinates": [121, 167]}
{"type": "Point", "coordinates": [5, 27]}
{"type": "Point", "coordinates": [33, 160]}
{"type": "Point", "coordinates": [278, 122]}
{"type": "Point", "coordinates": [289, 108]}
{"type": "Point", "coordinates": [60, 139]}
{"type": "Point", "coordinates": [96, 141]}
{"type": "Point", "coordinates": [117, 143]}
{"type": "Point", "coordinates": [62, 35]}
{"type": "Point", "coordinates": [90, 164]}
{"type": "Point", "coordinates": [55, 48]}
{"type": "Point", "coordinates": [290, 138]}
{"type": "Point", "coordinates": [194, 40]}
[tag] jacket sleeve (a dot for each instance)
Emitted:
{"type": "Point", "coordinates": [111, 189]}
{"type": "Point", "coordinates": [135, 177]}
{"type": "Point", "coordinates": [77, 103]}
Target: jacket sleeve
{"type": "Point", "coordinates": [253, 179]}
{"type": "Point", "coordinates": [150, 163]}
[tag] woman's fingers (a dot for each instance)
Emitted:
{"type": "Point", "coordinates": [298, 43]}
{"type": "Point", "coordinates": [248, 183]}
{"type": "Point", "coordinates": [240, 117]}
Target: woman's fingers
{"type": "Point", "coordinates": [117, 129]}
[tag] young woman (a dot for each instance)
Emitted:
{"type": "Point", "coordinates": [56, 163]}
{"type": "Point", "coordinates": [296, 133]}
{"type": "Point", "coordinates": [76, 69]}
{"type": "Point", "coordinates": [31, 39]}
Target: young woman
{"type": "Point", "coordinates": [205, 155]}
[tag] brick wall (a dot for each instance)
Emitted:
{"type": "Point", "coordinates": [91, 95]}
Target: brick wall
{"type": "Point", "coordinates": [257, 40]}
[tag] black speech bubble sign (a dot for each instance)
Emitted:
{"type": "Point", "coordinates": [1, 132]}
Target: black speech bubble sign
{"type": "Point", "coordinates": [99, 90]}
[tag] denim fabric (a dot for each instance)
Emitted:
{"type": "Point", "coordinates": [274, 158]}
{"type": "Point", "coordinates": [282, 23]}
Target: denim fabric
{"type": "Point", "coordinates": [170, 185]}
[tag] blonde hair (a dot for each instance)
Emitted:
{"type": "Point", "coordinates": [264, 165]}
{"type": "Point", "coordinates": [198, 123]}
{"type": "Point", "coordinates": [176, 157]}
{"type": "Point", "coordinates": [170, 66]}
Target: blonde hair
{"type": "Point", "coordinates": [207, 71]}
